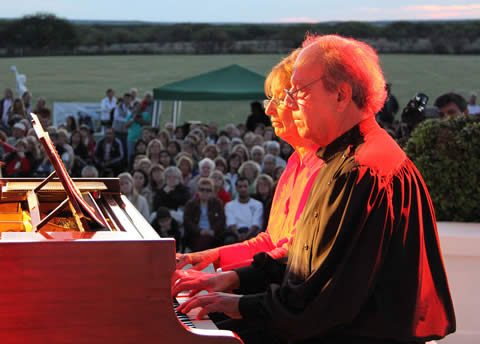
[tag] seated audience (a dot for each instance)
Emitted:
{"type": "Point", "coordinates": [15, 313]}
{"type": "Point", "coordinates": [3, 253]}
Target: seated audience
{"type": "Point", "coordinates": [20, 162]}
{"type": "Point", "coordinates": [219, 187]}
{"type": "Point", "coordinates": [174, 194]}
{"type": "Point", "coordinates": [109, 154]}
{"type": "Point", "coordinates": [204, 219]}
{"type": "Point", "coordinates": [128, 189]}
{"type": "Point", "coordinates": [244, 215]}
{"type": "Point", "coordinates": [206, 167]}
{"type": "Point", "coordinates": [167, 227]}
{"type": "Point", "coordinates": [264, 190]}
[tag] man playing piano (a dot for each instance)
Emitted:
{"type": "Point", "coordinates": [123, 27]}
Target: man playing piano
{"type": "Point", "coordinates": [365, 264]}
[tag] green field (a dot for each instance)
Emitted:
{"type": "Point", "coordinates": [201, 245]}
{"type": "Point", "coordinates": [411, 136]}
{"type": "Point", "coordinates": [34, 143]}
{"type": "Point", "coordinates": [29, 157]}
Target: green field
{"type": "Point", "coordinates": [85, 79]}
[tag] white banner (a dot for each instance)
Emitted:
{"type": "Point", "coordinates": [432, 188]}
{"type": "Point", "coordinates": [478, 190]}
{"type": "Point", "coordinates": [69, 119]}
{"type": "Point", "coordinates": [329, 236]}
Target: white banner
{"type": "Point", "coordinates": [85, 113]}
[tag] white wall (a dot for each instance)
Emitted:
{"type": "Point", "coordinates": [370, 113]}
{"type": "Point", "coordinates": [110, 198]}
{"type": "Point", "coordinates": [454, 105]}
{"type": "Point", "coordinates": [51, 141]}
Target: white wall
{"type": "Point", "coordinates": [460, 244]}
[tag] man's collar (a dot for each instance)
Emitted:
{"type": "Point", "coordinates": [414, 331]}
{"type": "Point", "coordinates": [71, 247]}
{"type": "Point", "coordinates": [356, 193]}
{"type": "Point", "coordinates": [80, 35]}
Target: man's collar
{"type": "Point", "coordinates": [352, 137]}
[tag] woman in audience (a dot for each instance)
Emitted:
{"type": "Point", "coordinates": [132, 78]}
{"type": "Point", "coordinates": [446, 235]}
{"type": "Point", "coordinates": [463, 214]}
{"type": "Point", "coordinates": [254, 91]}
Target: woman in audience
{"type": "Point", "coordinates": [204, 219]}
{"type": "Point", "coordinates": [164, 137]}
{"type": "Point", "coordinates": [185, 164]}
{"type": "Point", "coordinates": [174, 194]}
{"type": "Point", "coordinates": [242, 150]}
{"type": "Point", "coordinates": [153, 150]}
{"type": "Point", "coordinates": [155, 182]}
{"type": "Point", "coordinates": [257, 154]}
{"type": "Point", "coordinates": [206, 167]}
{"type": "Point", "coordinates": [87, 139]}
{"type": "Point", "coordinates": [210, 151]}
{"type": "Point", "coordinates": [128, 189]}
{"type": "Point", "coordinates": [219, 187]}
{"type": "Point", "coordinates": [264, 190]}
{"type": "Point", "coordinates": [234, 163]}
{"type": "Point", "coordinates": [140, 182]}
{"type": "Point", "coordinates": [144, 164]}
{"type": "Point", "coordinates": [17, 112]}
{"type": "Point", "coordinates": [250, 170]}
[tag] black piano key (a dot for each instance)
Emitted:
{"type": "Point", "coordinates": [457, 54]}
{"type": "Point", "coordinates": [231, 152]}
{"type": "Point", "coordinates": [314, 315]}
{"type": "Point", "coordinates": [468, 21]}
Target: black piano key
{"type": "Point", "coordinates": [181, 316]}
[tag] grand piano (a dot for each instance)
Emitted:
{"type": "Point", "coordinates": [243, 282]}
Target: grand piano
{"type": "Point", "coordinates": [79, 264]}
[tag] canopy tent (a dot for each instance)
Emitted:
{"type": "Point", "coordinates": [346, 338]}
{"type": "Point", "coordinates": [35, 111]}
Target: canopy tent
{"type": "Point", "coordinates": [233, 82]}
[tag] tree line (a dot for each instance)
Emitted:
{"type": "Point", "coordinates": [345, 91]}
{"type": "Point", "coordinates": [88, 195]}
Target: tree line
{"type": "Point", "coordinates": [46, 34]}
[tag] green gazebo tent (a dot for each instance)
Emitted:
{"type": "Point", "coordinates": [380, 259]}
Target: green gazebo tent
{"type": "Point", "coordinates": [233, 82]}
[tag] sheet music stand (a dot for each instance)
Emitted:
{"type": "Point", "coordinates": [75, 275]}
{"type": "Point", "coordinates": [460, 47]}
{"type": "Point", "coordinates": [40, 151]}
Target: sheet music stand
{"type": "Point", "coordinates": [84, 214]}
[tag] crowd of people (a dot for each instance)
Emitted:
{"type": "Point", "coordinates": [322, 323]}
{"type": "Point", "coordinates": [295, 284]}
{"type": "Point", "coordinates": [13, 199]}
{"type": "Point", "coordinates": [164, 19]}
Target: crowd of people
{"type": "Point", "coordinates": [194, 182]}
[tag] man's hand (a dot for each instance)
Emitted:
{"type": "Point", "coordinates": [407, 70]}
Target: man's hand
{"type": "Point", "coordinates": [213, 302]}
{"type": "Point", "coordinates": [197, 281]}
{"type": "Point", "coordinates": [199, 260]}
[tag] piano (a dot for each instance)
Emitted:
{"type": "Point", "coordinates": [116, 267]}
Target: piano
{"type": "Point", "coordinates": [79, 264]}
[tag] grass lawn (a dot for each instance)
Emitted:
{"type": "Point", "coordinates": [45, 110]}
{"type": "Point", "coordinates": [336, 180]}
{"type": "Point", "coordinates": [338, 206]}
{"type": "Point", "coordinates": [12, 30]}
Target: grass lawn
{"type": "Point", "coordinates": [85, 78]}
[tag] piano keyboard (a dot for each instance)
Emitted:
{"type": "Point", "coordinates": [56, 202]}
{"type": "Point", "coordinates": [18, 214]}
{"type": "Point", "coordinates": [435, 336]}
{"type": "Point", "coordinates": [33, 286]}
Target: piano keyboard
{"type": "Point", "coordinates": [190, 319]}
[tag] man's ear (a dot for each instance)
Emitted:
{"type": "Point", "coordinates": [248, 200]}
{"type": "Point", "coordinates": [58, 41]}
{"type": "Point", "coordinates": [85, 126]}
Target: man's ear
{"type": "Point", "coordinates": [344, 96]}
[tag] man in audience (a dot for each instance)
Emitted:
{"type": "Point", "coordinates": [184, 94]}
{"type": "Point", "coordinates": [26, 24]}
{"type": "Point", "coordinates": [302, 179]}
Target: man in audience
{"type": "Point", "coordinates": [27, 102]}
{"type": "Point", "coordinates": [451, 105]}
{"type": "Point", "coordinates": [109, 154]}
{"type": "Point", "coordinates": [244, 214]}
{"type": "Point", "coordinates": [120, 118]}
{"type": "Point", "coordinates": [212, 133]}
{"type": "Point", "coordinates": [107, 106]}
{"type": "Point", "coordinates": [147, 103]}
{"type": "Point", "coordinates": [473, 108]}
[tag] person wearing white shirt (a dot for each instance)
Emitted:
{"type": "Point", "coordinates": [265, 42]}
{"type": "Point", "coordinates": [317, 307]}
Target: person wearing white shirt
{"type": "Point", "coordinates": [473, 108]}
{"type": "Point", "coordinates": [5, 104]}
{"type": "Point", "coordinates": [244, 215]}
{"type": "Point", "coordinates": [108, 103]}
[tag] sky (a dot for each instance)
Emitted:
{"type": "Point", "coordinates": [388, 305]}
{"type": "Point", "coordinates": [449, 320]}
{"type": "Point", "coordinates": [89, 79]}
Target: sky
{"type": "Point", "coordinates": [246, 11]}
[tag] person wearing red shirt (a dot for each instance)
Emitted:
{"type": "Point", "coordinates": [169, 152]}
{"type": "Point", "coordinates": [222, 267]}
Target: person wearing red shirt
{"type": "Point", "coordinates": [291, 192]}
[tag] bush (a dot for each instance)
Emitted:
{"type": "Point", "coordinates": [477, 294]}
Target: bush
{"type": "Point", "coordinates": [447, 153]}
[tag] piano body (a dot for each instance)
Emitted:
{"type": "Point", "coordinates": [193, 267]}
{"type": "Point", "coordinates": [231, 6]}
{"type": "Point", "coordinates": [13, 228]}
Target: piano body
{"type": "Point", "coordinates": [68, 276]}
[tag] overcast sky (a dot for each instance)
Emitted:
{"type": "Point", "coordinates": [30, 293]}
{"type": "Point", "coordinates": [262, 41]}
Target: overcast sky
{"type": "Point", "coordinates": [246, 11]}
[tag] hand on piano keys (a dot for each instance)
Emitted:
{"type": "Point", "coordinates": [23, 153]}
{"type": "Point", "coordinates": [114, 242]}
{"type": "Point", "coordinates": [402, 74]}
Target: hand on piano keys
{"type": "Point", "coordinates": [212, 303]}
{"type": "Point", "coordinates": [197, 281]}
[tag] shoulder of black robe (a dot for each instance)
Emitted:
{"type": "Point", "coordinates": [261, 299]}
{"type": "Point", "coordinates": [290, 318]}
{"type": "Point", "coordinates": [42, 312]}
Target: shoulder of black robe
{"type": "Point", "coordinates": [365, 260]}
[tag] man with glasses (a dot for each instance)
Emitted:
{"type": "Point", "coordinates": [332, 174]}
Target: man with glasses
{"type": "Point", "coordinates": [204, 219]}
{"type": "Point", "coordinates": [365, 264]}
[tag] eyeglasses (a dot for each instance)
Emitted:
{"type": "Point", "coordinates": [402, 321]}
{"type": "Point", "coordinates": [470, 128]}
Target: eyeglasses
{"type": "Point", "coordinates": [290, 94]}
{"type": "Point", "coordinates": [204, 190]}
{"type": "Point", "coordinates": [274, 101]}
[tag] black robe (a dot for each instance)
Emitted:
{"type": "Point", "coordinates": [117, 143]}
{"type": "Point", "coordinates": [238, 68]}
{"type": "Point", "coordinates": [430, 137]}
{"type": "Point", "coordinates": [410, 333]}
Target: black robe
{"type": "Point", "coordinates": [365, 263]}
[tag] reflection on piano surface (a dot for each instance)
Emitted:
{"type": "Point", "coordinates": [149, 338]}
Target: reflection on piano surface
{"type": "Point", "coordinates": [77, 275]}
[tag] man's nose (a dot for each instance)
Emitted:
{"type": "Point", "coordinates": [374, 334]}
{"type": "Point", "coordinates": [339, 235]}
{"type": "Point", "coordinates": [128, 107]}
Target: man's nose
{"type": "Point", "coordinates": [290, 102]}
